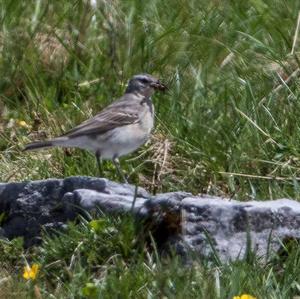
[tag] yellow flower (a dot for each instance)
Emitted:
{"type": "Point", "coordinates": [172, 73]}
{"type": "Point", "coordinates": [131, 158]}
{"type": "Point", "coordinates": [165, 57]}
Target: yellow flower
{"type": "Point", "coordinates": [31, 272]}
{"type": "Point", "coordinates": [22, 123]}
{"type": "Point", "coordinates": [244, 296]}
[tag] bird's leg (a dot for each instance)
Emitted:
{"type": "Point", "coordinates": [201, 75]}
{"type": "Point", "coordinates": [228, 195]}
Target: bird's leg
{"type": "Point", "coordinates": [118, 167]}
{"type": "Point", "coordinates": [99, 163]}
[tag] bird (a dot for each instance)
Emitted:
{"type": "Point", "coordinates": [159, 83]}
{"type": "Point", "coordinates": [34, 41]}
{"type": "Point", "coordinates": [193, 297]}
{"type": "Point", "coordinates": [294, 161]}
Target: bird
{"type": "Point", "coordinates": [117, 130]}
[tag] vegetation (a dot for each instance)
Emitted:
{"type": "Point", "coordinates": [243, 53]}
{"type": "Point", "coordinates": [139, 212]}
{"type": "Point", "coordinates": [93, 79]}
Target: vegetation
{"type": "Point", "coordinates": [228, 126]}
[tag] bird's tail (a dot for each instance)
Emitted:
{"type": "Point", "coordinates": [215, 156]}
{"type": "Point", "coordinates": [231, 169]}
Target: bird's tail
{"type": "Point", "coordinates": [38, 145]}
{"type": "Point", "coordinates": [44, 144]}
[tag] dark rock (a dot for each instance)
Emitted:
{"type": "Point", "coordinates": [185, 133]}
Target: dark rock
{"type": "Point", "coordinates": [203, 224]}
{"type": "Point", "coordinates": [28, 206]}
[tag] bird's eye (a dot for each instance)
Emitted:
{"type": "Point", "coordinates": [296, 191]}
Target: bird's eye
{"type": "Point", "coordinates": [144, 80]}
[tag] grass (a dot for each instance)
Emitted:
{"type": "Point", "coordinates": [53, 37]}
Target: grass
{"type": "Point", "coordinates": [228, 126]}
{"type": "Point", "coordinates": [105, 259]}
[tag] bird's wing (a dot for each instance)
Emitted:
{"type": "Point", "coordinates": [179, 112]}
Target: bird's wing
{"type": "Point", "coordinates": [118, 114]}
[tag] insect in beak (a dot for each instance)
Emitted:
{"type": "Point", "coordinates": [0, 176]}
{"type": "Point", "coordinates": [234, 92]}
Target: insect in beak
{"type": "Point", "coordinates": [160, 86]}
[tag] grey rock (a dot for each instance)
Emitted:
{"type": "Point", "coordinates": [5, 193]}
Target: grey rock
{"type": "Point", "coordinates": [228, 225]}
{"type": "Point", "coordinates": [204, 224]}
{"type": "Point", "coordinates": [28, 206]}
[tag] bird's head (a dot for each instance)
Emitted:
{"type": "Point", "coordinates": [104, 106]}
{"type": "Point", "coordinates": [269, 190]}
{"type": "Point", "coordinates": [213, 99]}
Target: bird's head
{"type": "Point", "coordinates": [145, 85]}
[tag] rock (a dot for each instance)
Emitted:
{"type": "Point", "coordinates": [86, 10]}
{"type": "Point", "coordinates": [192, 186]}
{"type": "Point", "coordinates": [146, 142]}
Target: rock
{"type": "Point", "coordinates": [229, 224]}
{"type": "Point", "coordinates": [206, 225]}
{"type": "Point", "coordinates": [29, 206]}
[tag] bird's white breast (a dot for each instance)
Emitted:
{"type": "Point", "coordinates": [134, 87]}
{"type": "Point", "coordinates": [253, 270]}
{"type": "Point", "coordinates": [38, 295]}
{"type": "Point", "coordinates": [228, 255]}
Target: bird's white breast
{"type": "Point", "coordinates": [126, 139]}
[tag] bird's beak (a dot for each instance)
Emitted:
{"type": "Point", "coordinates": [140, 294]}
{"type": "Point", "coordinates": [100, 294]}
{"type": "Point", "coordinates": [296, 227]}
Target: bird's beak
{"type": "Point", "coordinates": [158, 85]}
